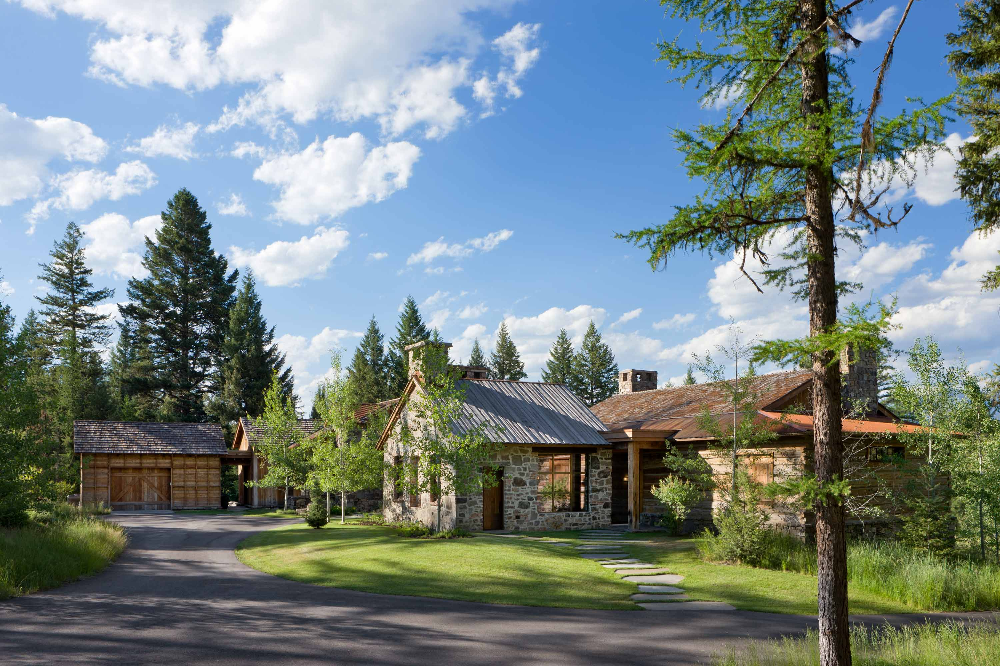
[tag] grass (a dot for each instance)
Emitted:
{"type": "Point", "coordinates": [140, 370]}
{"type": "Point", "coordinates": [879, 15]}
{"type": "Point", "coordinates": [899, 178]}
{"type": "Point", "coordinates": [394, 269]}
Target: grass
{"type": "Point", "coordinates": [487, 569]}
{"type": "Point", "coordinates": [55, 549]}
{"type": "Point", "coordinates": [947, 644]}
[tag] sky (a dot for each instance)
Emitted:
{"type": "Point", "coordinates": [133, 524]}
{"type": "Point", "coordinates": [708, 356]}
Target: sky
{"type": "Point", "coordinates": [478, 155]}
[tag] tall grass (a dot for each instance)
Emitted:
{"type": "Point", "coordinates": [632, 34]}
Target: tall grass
{"type": "Point", "coordinates": [920, 580]}
{"type": "Point", "coordinates": [54, 550]}
{"type": "Point", "coordinates": [948, 644]}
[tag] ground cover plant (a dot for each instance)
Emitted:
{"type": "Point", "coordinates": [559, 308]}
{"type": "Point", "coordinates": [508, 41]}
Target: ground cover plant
{"type": "Point", "coordinates": [56, 546]}
{"type": "Point", "coordinates": [947, 644]}
{"type": "Point", "coordinates": [485, 569]}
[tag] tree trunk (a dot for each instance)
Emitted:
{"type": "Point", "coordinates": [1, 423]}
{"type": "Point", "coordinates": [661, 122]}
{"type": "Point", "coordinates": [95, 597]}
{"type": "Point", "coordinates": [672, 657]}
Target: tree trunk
{"type": "Point", "coordinates": [343, 501]}
{"type": "Point", "coordinates": [834, 630]}
{"type": "Point", "coordinates": [328, 506]}
{"type": "Point", "coordinates": [288, 494]}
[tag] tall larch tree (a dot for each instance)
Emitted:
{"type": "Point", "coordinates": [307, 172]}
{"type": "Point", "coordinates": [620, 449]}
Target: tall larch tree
{"type": "Point", "coordinates": [505, 361]}
{"type": "Point", "coordinates": [250, 358]}
{"type": "Point", "coordinates": [75, 333]}
{"type": "Point", "coordinates": [595, 371]}
{"type": "Point", "coordinates": [975, 60]}
{"type": "Point", "coordinates": [559, 367]}
{"type": "Point", "coordinates": [410, 329]}
{"type": "Point", "coordinates": [182, 308]}
{"type": "Point", "coordinates": [794, 144]}
{"type": "Point", "coordinates": [370, 369]}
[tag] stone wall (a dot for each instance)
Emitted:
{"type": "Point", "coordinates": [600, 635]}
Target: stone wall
{"type": "Point", "coordinates": [859, 381]}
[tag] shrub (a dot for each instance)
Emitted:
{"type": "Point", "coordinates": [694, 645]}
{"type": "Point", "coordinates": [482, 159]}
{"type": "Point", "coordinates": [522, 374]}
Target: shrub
{"type": "Point", "coordinates": [740, 536]}
{"type": "Point", "coordinates": [316, 515]}
{"type": "Point", "coordinates": [678, 496]}
{"type": "Point", "coordinates": [412, 530]}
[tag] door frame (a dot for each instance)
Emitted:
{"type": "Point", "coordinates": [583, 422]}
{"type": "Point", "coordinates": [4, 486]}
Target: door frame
{"type": "Point", "coordinates": [499, 488]}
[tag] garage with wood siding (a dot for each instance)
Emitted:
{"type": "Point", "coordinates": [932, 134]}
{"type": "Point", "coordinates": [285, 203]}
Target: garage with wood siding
{"type": "Point", "coordinates": [130, 466]}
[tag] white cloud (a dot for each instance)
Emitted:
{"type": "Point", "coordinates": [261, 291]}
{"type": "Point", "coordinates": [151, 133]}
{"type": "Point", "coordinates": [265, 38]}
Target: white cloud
{"type": "Point", "coordinates": [438, 318]}
{"type": "Point", "coordinates": [677, 321]}
{"type": "Point", "coordinates": [285, 263]}
{"type": "Point", "coordinates": [116, 245]}
{"type": "Point", "coordinates": [934, 182]}
{"type": "Point", "coordinates": [310, 358]}
{"type": "Point", "coordinates": [473, 311]}
{"type": "Point", "coordinates": [328, 178]}
{"type": "Point", "coordinates": [435, 298]}
{"type": "Point", "coordinates": [868, 30]}
{"type": "Point", "coordinates": [28, 146]}
{"type": "Point", "coordinates": [377, 256]}
{"type": "Point", "coordinates": [234, 206]}
{"type": "Point", "coordinates": [168, 142]}
{"type": "Point", "coordinates": [347, 60]}
{"type": "Point", "coordinates": [517, 50]}
{"type": "Point", "coordinates": [881, 263]}
{"type": "Point", "coordinates": [6, 289]}
{"type": "Point", "coordinates": [435, 249]}
{"type": "Point", "coordinates": [726, 97]}
{"type": "Point", "coordinates": [535, 334]}
{"type": "Point", "coordinates": [79, 189]}
{"type": "Point", "coordinates": [627, 317]}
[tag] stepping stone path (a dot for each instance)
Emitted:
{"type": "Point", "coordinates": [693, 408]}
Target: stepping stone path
{"type": "Point", "coordinates": [656, 586]}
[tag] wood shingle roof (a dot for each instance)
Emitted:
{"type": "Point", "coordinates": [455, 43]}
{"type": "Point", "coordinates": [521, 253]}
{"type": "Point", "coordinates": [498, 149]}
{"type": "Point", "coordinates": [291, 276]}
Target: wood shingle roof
{"type": "Point", "coordinates": [305, 426]}
{"type": "Point", "coordinates": [120, 437]}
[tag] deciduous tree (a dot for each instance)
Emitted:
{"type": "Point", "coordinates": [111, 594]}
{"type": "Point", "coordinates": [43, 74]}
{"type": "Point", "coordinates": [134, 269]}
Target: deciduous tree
{"type": "Point", "coordinates": [280, 443]}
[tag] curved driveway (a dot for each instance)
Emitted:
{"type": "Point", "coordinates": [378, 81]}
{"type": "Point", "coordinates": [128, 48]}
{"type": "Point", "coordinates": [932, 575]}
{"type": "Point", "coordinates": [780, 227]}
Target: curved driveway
{"type": "Point", "coordinates": [179, 595]}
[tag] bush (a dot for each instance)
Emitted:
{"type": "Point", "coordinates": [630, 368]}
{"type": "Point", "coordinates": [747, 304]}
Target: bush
{"type": "Point", "coordinates": [740, 536]}
{"type": "Point", "coordinates": [678, 496]}
{"type": "Point", "coordinates": [412, 530]}
{"type": "Point", "coordinates": [316, 515]}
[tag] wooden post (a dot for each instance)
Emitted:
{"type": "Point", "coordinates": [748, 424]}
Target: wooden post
{"type": "Point", "coordinates": [255, 464]}
{"type": "Point", "coordinates": [634, 483]}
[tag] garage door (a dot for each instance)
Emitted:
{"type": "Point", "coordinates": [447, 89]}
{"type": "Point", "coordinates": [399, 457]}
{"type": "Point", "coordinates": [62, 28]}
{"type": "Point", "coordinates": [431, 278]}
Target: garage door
{"type": "Point", "coordinates": [136, 489]}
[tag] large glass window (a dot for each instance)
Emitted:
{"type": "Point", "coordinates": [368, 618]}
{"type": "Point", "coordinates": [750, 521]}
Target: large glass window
{"type": "Point", "coordinates": [562, 482]}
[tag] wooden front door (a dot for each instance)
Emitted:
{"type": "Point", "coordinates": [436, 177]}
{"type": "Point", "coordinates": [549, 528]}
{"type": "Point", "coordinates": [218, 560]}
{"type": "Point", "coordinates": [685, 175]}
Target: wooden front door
{"type": "Point", "coordinates": [493, 505]}
{"type": "Point", "coordinates": [619, 487]}
{"type": "Point", "coordinates": [134, 489]}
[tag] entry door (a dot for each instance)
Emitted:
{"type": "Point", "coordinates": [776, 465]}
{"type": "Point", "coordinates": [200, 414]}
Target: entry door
{"type": "Point", "coordinates": [134, 489]}
{"type": "Point", "coordinates": [493, 504]}
{"type": "Point", "coordinates": [619, 487]}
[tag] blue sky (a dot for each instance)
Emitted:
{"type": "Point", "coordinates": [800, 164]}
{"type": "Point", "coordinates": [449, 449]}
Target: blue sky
{"type": "Point", "coordinates": [477, 154]}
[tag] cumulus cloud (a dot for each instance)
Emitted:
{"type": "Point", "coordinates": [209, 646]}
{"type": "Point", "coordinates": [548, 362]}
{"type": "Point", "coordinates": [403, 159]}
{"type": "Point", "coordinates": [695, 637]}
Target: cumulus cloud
{"type": "Point", "coordinates": [234, 206]}
{"type": "Point", "coordinates": [345, 60]}
{"type": "Point", "coordinates": [115, 245]}
{"type": "Point", "coordinates": [726, 97]}
{"type": "Point", "coordinates": [377, 256]}
{"type": "Point", "coordinates": [438, 318]}
{"type": "Point", "coordinates": [677, 321]}
{"type": "Point", "coordinates": [883, 262]}
{"type": "Point", "coordinates": [6, 289]}
{"type": "Point", "coordinates": [934, 181]}
{"type": "Point", "coordinates": [433, 250]}
{"type": "Point", "coordinates": [168, 142]}
{"type": "Point", "coordinates": [473, 311]}
{"type": "Point", "coordinates": [535, 334]}
{"type": "Point", "coordinates": [435, 298]}
{"type": "Point", "coordinates": [326, 179]}
{"type": "Point", "coordinates": [28, 146]}
{"type": "Point", "coordinates": [519, 54]}
{"type": "Point", "coordinates": [285, 263]}
{"type": "Point", "coordinates": [868, 30]}
{"type": "Point", "coordinates": [80, 189]}
{"type": "Point", "coordinates": [627, 317]}
{"type": "Point", "coordinates": [310, 357]}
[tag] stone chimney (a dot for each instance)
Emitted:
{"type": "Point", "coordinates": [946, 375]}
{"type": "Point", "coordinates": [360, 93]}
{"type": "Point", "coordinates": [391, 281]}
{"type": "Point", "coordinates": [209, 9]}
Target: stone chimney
{"type": "Point", "coordinates": [633, 381]}
{"type": "Point", "coordinates": [416, 351]}
{"type": "Point", "coordinates": [859, 381]}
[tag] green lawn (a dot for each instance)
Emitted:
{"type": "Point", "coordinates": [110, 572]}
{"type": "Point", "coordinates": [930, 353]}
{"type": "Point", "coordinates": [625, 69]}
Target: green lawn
{"type": "Point", "coordinates": [488, 569]}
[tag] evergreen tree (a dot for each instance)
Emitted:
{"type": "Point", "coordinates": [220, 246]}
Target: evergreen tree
{"type": "Point", "coordinates": [182, 310]}
{"type": "Point", "coordinates": [130, 376]}
{"type": "Point", "coordinates": [250, 358]}
{"type": "Point", "coordinates": [505, 361]}
{"type": "Point", "coordinates": [793, 143]}
{"type": "Point", "coordinates": [595, 372]}
{"type": "Point", "coordinates": [75, 333]}
{"type": "Point", "coordinates": [409, 330]}
{"type": "Point", "coordinates": [17, 415]}
{"type": "Point", "coordinates": [369, 369]}
{"type": "Point", "coordinates": [974, 62]}
{"type": "Point", "coordinates": [477, 358]}
{"type": "Point", "coordinates": [689, 377]}
{"type": "Point", "coordinates": [559, 368]}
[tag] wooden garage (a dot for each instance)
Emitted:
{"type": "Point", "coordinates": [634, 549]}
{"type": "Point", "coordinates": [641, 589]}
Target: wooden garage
{"type": "Point", "coordinates": [149, 466]}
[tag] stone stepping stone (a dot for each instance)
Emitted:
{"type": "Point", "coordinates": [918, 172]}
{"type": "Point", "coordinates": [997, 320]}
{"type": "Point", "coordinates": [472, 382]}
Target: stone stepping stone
{"type": "Point", "coordinates": [596, 546]}
{"type": "Point", "coordinates": [623, 560]}
{"type": "Point", "coordinates": [659, 589]}
{"type": "Point", "coordinates": [658, 579]}
{"type": "Point", "coordinates": [556, 543]}
{"type": "Point", "coordinates": [682, 606]}
{"type": "Point", "coordinates": [600, 556]}
{"type": "Point", "coordinates": [658, 597]}
{"type": "Point", "coordinates": [637, 565]}
{"type": "Point", "coordinates": [650, 571]}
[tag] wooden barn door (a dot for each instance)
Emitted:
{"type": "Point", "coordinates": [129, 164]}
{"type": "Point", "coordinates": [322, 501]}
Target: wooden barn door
{"type": "Point", "coordinates": [135, 489]}
{"type": "Point", "coordinates": [493, 504]}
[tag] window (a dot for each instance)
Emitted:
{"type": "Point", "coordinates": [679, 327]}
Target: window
{"type": "Point", "coordinates": [414, 491]}
{"type": "Point", "coordinates": [887, 454]}
{"type": "Point", "coordinates": [397, 466]}
{"type": "Point", "coordinates": [563, 482]}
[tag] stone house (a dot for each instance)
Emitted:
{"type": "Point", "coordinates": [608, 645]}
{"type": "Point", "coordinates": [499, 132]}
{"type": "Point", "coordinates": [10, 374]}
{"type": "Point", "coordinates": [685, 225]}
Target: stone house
{"type": "Point", "coordinates": [554, 469]}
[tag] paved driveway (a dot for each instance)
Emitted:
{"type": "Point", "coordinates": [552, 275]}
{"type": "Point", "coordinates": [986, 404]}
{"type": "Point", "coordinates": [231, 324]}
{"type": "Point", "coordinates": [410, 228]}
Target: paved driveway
{"type": "Point", "coordinates": [179, 595]}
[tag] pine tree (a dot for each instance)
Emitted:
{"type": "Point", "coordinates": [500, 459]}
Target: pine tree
{"type": "Point", "coordinates": [131, 377]}
{"type": "Point", "coordinates": [75, 333]}
{"type": "Point", "coordinates": [595, 372]}
{"type": "Point", "coordinates": [974, 62]}
{"type": "Point", "coordinates": [559, 367]}
{"type": "Point", "coordinates": [369, 369]}
{"type": "Point", "coordinates": [409, 330]}
{"type": "Point", "coordinates": [319, 399]}
{"type": "Point", "coordinates": [477, 358]}
{"type": "Point", "coordinates": [505, 361]}
{"type": "Point", "coordinates": [182, 310]}
{"type": "Point", "coordinates": [689, 377]}
{"type": "Point", "coordinates": [250, 358]}
{"type": "Point", "coordinates": [17, 414]}
{"type": "Point", "coordinates": [793, 143]}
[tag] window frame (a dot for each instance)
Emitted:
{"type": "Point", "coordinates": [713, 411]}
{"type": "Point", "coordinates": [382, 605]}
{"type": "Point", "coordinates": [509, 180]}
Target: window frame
{"type": "Point", "coordinates": [578, 481]}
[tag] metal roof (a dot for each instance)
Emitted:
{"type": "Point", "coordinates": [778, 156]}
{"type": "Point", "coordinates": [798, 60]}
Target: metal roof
{"type": "Point", "coordinates": [141, 437]}
{"type": "Point", "coordinates": [529, 413]}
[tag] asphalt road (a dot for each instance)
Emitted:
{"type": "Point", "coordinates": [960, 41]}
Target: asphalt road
{"type": "Point", "coordinates": [179, 595]}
